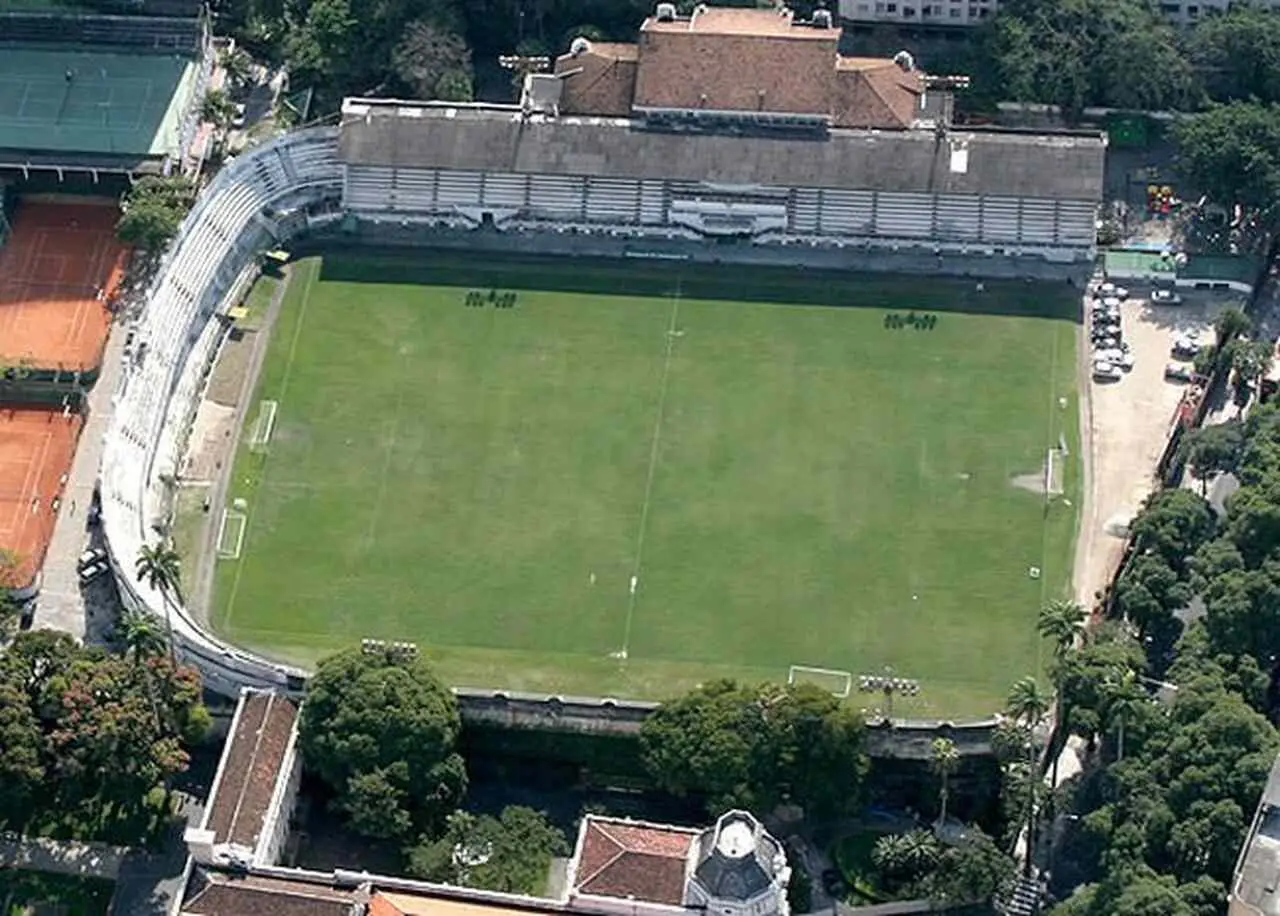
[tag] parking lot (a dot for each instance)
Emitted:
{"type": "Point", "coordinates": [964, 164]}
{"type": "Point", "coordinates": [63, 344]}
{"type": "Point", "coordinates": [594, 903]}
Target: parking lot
{"type": "Point", "coordinates": [1126, 421]}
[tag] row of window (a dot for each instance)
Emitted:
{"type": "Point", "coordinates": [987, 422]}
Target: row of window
{"type": "Point", "coordinates": [926, 11]}
{"type": "Point", "coordinates": [981, 9]}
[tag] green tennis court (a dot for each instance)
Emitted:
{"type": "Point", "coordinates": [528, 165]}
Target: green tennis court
{"type": "Point", "coordinates": [70, 100]}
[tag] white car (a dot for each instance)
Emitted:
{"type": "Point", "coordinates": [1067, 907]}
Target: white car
{"type": "Point", "coordinates": [1110, 290]}
{"type": "Point", "coordinates": [1116, 356]}
{"type": "Point", "coordinates": [1112, 303]}
{"type": "Point", "coordinates": [1179, 372]}
{"type": "Point", "coordinates": [1186, 346]}
{"type": "Point", "coordinates": [1104, 371]}
{"type": "Point", "coordinates": [93, 571]}
{"type": "Point", "coordinates": [90, 557]}
{"type": "Point", "coordinates": [1165, 297]}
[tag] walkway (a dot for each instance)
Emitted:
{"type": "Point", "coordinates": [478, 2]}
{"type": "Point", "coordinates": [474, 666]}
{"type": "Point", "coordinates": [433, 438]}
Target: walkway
{"type": "Point", "coordinates": [83, 860]}
{"type": "Point", "coordinates": [63, 604]}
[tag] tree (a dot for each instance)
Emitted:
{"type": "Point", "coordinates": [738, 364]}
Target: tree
{"type": "Point", "coordinates": [1027, 703]}
{"type": "Point", "coordinates": [1213, 449]}
{"type": "Point", "coordinates": [755, 747]}
{"type": "Point", "coordinates": [1077, 53]}
{"type": "Point", "coordinates": [1124, 699]}
{"type": "Point", "coordinates": [510, 853]}
{"type": "Point", "coordinates": [1061, 621]}
{"type": "Point", "coordinates": [140, 636]}
{"type": "Point", "coordinates": [10, 611]}
{"type": "Point", "coordinates": [1232, 153]}
{"type": "Point", "coordinates": [1238, 53]}
{"type": "Point", "coordinates": [160, 567]}
{"type": "Point", "coordinates": [1173, 524]}
{"type": "Point", "coordinates": [434, 63]}
{"type": "Point", "coordinates": [377, 726]}
{"type": "Point", "coordinates": [943, 760]}
{"type": "Point", "coordinates": [217, 109]}
{"type": "Point", "coordinates": [973, 870]}
{"type": "Point", "coordinates": [237, 64]}
{"type": "Point", "coordinates": [1250, 361]}
{"type": "Point", "coordinates": [152, 211]}
{"type": "Point", "coordinates": [903, 858]}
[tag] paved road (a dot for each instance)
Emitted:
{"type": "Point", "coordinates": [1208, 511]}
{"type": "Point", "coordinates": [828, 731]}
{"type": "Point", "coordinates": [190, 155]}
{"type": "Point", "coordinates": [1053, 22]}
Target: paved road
{"type": "Point", "coordinates": [85, 860]}
{"type": "Point", "coordinates": [63, 604]}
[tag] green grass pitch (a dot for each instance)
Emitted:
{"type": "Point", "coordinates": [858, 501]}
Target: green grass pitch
{"type": "Point", "coordinates": [789, 480]}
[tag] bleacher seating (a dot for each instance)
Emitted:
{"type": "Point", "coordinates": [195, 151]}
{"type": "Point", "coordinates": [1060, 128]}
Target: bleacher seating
{"type": "Point", "coordinates": [178, 337]}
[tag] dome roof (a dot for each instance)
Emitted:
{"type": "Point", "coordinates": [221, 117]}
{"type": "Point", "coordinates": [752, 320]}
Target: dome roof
{"type": "Point", "coordinates": [737, 859]}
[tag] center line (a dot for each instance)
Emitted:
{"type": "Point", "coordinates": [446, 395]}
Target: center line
{"type": "Point", "coordinates": [653, 467]}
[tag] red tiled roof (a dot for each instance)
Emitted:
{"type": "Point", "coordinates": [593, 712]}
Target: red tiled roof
{"type": "Point", "coordinates": [600, 81]}
{"type": "Point", "coordinates": [736, 60]}
{"type": "Point", "coordinates": [228, 896]}
{"type": "Point", "coordinates": [875, 92]}
{"type": "Point", "coordinates": [633, 860]}
{"type": "Point", "coordinates": [250, 768]}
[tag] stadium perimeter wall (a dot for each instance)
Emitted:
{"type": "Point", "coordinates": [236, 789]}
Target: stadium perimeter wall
{"type": "Point", "coordinates": [272, 195]}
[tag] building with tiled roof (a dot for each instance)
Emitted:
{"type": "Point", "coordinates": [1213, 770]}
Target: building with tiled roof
{"type": "Point", "coordinates": [722, 63]}
{"type": "Point", "coordinates": [732, 869]}
{"type": "Point", "coordinates": [247, 816]}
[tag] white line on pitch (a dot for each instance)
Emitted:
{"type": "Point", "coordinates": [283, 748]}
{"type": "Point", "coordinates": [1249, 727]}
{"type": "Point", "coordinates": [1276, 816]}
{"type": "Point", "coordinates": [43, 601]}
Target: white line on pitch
{"type": "Point", "coordinates": [672, 335]}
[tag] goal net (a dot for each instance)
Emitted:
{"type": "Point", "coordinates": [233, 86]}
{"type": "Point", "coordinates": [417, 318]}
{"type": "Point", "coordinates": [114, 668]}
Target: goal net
{"type": "Point", "coordinates": [263, 426]}
{"type": "Point", "coordinates": [837, 683]}
{"type": "Point", "coordinates": [231, 535]}
{"type": "Point", "coordinates": [1053, 476]}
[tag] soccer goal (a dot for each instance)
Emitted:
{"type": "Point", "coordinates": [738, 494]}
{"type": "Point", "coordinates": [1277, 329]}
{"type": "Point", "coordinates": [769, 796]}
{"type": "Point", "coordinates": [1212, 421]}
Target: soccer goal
{"type": "Point", "coordinates": [1053, 472]}
{"type": "Point", "coordinates": [231, 535]}
{"type": "Point", "coordinates": [838, 683]}
{"type": "Point", "coordinates": [263, 426]}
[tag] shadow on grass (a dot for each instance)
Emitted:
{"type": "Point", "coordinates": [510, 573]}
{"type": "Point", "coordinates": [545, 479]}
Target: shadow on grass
{"type": "Point", "coordinates": [745, 283]}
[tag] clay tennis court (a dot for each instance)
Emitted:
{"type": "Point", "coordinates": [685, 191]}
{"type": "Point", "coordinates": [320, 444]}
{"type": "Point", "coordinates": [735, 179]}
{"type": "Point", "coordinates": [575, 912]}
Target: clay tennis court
{"type": "Point", "coordinates": [58, 270]}
{"type": "Point", "coordinates": [36, 448]}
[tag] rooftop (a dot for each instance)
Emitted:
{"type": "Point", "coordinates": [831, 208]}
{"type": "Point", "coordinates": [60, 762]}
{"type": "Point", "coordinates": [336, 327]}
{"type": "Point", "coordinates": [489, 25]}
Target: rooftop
{"type": "Point", "coordinates": [216, 894]}
{"type": "Point", "coordinates": [251, 766]}
{"type": "Point", "coordinates": [496, 138]}
{"type": "Point", "coordinates": [631, 859]}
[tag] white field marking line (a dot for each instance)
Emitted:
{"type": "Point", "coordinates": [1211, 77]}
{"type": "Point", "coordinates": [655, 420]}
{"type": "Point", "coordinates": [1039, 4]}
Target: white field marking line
{"type": "Point", "coordinates": [1044, 523]}
{"type": "Point", "coordinates": [386, 467]}
{"type": "Point", "coordinates": [266, 461]}
{"type": "Point", "coordinates": [652, 472]}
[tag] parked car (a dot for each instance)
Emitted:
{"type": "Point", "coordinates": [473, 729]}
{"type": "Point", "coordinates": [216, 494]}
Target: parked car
{"type": "Point", "coordinates": [1104, 371]}
{"type": "Point", "coordinates": [1117, 356]}
{"type": "Point", "coordinates": [91, 556]}
{"type": "Point", "coordinates": [1185, 346]}
{"type": "Point", "coordinates": [237, 120]}
{"type": "Point", "coordinates": [28, 615]}
{"type": "Point", "coordinates": [93, 571]}
{"type": "Point", "coordinates": [1165, 297]}
{"type": "Point", "coordinates": [1179, 372]}
{"type": "Point", "coordinates": [1110, 290]}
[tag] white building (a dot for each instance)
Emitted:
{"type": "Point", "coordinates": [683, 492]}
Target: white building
{"type": "Point", "coordinates": [971, 12]}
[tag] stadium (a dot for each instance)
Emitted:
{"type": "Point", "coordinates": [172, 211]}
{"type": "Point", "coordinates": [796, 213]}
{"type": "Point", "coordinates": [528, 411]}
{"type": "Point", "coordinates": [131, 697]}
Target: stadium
{"type": "Point", "coordinates": [713, 240]}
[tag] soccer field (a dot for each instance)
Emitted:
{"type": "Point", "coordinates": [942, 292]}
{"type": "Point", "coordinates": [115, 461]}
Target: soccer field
{"type": "Point", "coordinates": [642, 476]}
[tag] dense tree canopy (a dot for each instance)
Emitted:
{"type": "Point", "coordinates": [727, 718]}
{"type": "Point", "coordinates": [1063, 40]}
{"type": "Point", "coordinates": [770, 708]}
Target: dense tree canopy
{"type": "Point", "coordinates": [756, 746]}
{"type": "Point", "coordinates": [1161, 822]}
{"type": "Point", "coordinates": [89, 738]}
{"type": "Point", "coordinates": [153, 210]}
{"type": "Point", "coordinates": [381, 730]}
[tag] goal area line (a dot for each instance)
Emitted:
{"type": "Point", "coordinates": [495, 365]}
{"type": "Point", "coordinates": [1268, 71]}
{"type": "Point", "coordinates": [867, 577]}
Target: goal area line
{"type": "Point", "coordinates": [231, 535]}
{"type": "Point", "coordinates": [838, 683]}
{"type": "Point", "coordinates": [263, 426]}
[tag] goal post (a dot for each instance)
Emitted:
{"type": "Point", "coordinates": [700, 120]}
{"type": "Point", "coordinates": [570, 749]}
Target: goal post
{"type": "Point", "coordinates": [1053, 476]}
{"type": "Point", "coordinates": [838, 683]}
{"type": "Point", "coordinates": [263, 426]}
{"type": "Point", "coordinates": [231, 535]}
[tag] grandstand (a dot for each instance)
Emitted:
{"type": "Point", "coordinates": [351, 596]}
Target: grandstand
{"type": "Point", "coordinates": [88, 95]}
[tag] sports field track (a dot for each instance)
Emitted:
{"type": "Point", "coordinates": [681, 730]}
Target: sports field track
{"type": "Point", "coordinates": [785, 478]}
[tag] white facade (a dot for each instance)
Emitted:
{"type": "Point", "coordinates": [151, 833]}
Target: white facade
{"type": "Point", "coordinates": [1057, 230]}
{"type": "Point", "coordinates": [972, 12]}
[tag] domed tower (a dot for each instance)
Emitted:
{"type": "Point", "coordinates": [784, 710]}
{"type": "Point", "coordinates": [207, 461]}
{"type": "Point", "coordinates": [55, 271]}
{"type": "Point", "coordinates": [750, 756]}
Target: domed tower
{"type": "Point", "coordinates": [738, 870]}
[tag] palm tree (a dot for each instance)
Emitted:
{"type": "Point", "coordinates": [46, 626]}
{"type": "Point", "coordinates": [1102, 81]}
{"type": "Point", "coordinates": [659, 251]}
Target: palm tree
{"type": "Point", "coordinates": [140, 636]}
{"type": "Point", "coordinates": [944, 758]}
{"type": "Point", "coordinates": [1027, 704]}
{"type": "Point", "coordinates": [160, 567]}
{"type": "Point", "coordinates": [1123, 699]}
{"type": "Point", "coordinates": [1060, 622]}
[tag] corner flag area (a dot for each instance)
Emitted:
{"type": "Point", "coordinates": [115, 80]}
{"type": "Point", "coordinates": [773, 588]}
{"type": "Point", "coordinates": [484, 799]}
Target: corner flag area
{"type": "Point", "coordinates": [93, 102]}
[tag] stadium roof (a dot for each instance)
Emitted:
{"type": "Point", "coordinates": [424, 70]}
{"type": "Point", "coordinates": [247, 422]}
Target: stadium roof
{"type": "Point", "coordinates": [498, 139]}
